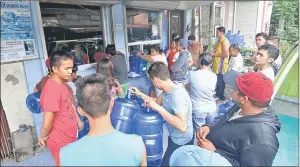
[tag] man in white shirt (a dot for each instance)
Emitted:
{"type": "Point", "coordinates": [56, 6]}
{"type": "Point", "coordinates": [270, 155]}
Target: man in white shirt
{"type": "Point", "coordinates": [236, 62]}
{"type": "Point", "coordinates": [266, 55]}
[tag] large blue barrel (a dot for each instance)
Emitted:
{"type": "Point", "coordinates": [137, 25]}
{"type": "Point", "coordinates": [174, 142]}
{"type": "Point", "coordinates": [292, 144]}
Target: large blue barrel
{"type": "Point", "coordinates": [223, 108]}
{"type": "Point", "coordinates": [149, 125]}
{"type": "Point", "coordinates": [86, 126]}
{"type": "Point", "coordinates": [33, 102]}
{"type": "Point", "coordinates": [122, 114]}
{"type": "Point", "coordinates": [132, 61]}
{"type": "Point", "coordinates": [229, 35]}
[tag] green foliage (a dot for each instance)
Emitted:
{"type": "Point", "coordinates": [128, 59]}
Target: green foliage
{"type": "Point", "coordinates": [289, 9]}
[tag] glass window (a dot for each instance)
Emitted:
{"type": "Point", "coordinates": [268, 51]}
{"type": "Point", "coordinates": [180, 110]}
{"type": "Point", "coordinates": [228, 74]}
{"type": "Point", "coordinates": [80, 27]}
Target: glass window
{"type": "Point", "coordinates": [142, 25]}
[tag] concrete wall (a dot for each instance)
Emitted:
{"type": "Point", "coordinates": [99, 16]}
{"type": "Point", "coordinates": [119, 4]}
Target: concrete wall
{"type": "Point", "coordinates": [13, 94]}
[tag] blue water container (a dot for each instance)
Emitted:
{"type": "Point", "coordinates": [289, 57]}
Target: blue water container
{"type": "Point", "coordinates": [122, 114]}
{"type": "Point", "coordinates": [86, 126]}
{"type": "Point", "coordinates": [229, 35]}
{"type": "Point", "coordinates": [223, 108]}
{"type": "Point", "coordinates": [132, 61]}
{"type": "Point", "coordinates": [33, 102]}
{"type": "Point", "coordinates": [239, 37]}
{"type": "Point", "coordinates": [149, 125]}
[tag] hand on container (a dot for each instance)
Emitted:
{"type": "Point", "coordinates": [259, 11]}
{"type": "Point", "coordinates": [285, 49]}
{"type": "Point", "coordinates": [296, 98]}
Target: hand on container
{"type": "Point", "coordinates": [151, 104]}
{"type": "Point", "coordinates": [138, 53]}
{"type": "Point", "coordinates": [136, 91]}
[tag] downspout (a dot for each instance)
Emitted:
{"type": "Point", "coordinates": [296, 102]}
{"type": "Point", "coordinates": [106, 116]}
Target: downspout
{"type": "Point", "coordinates": [263, 17]}
{"type": "Point", "coordinates": [234, 16]}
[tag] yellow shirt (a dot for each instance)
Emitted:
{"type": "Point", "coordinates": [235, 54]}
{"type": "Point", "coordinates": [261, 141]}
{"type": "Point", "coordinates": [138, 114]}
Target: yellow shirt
{"type": "Point", "coordinates": [220, 64]}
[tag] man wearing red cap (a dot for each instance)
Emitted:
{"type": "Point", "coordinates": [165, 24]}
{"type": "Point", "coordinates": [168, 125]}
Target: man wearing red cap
{"type": "Point", "coordinates": [246, 137]}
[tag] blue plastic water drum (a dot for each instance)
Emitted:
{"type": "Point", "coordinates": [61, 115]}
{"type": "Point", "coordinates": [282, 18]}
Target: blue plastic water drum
{"type": "Point", "coordinates": [33, 102]}
{"type": "Point", "coordinates": [149, 125]}
{"type": "Point", "coordinates": [122, 114]}
{"type": "Point", "coordinates": [86, 126]}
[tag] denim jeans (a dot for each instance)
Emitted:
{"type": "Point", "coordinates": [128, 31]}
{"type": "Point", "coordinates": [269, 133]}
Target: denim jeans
{"type": "Point", "coordinates": [220, 87]}
{"type": "Point", "coordinates": [200, 119]}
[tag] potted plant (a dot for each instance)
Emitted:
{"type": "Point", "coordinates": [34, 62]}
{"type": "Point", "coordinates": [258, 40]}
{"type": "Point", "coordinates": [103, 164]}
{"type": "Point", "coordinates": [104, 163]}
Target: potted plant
{"type": "Point", "coordinates": [248, 52]}
{"type": "Point", "coordinates": [242, 51]}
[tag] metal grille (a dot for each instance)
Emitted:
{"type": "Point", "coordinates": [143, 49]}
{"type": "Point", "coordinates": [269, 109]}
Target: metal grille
{"type": "Point", "coordinates": [6, 145]}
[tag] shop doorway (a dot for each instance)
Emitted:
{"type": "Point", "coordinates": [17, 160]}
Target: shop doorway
{"type": "Point", "coordinates": [74, 28]}
{"type": "Point", "coordinates": [176, 23]}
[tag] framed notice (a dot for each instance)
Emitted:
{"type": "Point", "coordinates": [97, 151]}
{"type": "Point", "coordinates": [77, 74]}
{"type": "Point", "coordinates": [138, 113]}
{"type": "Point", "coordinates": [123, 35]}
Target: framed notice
{"type": "Point", "coordinates": [17, 41]}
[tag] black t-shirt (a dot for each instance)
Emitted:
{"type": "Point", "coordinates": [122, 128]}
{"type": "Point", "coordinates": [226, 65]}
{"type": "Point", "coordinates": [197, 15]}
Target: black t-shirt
{"type": "Point", "coordinates": [120, 68]}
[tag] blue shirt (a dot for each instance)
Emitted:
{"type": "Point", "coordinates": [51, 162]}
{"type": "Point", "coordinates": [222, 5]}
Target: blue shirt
{"type": "Point", "coordinates": [113, 149]}
{"type": "Point", "coordinates": [176, 102]}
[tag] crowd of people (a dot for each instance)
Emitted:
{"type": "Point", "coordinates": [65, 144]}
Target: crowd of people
{"type": "Point", "coordinates": [189, 83]}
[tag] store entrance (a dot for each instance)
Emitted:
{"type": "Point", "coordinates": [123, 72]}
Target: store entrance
{"type": "Point", "coordinates": [74, 28]}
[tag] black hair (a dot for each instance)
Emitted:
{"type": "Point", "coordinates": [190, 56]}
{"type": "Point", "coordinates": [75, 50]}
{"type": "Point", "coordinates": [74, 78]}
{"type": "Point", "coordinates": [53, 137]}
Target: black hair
{"type": "Point", "coordinates": [111, 49]}
{"type": "Point", "coordinates": [205, 59]}
{"type": "Point", "coordinates": [274, 39]}
{"type": "Point", "coordinates": [261, 34]}
{"type": "Point", "coordinates": [57, 57]}
{"type": "Point", "coordinates": [159, 70]}
{"type": "Point", "coordinates": [175, 36]}
{"type": "Point", "coordinates": [192, 38]}
{"type": "Point", "coordinates": [93, 94]}
{"type": "Point", "coordinates": [75, 68]}
{"type": "Point", "coordinates": [254, 103]}
{"type": "Point", "coordinates": [221, 29]}
{"type": "Point", "coordinates": [155, 47]}
{"type": "Point", "coordinates": [235, 46]}
{"type": "Point", "coordinates": [178, 42]}
{"type": "Point", "coordinates": [272, 51]}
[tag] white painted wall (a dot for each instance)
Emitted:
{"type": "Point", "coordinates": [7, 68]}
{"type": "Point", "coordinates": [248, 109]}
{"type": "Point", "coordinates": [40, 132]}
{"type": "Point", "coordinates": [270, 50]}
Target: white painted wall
{"type": "Point", "coordinates": [13, 94]}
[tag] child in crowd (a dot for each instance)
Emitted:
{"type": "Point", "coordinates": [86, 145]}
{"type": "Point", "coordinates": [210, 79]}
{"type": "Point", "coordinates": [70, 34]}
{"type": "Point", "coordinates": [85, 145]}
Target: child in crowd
{"type": "Point", "coordinates": [236, 61]}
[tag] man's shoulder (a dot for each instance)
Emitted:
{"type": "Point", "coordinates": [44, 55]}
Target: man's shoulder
{"type": "Point", "coordinates": [51, 85]}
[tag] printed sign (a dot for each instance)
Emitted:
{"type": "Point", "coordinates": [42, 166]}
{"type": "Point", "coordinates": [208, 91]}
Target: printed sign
{"type": "Point", "coordinates": [17, 41]}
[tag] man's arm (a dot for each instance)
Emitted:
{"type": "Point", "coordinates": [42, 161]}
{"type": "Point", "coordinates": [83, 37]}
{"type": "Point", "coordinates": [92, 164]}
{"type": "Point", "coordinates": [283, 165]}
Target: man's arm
{"type": "Point", "coordinates": [47, 124]}
{"type": "Point", "coordinates": [225, 50]}
{"type": "Point", "coordinates": [178, 121]}
{"type": "Point", "coordinates": [148, 98]}
{"type": "Point", "coordinates": [145, 57]}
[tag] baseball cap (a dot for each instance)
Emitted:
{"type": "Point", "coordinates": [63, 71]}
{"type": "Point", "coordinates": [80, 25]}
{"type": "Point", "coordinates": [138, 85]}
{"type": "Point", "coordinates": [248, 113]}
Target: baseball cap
{"type": "Point", "coordinates": [254, 85]}
{"type": "Point", "coordinates": [191, 155]}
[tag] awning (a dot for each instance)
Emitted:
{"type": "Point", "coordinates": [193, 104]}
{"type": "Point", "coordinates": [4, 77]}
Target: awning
{"type": "Point", "coordinates": [166, 5]}
{"type": "Point", "coordinates": [82, 2]}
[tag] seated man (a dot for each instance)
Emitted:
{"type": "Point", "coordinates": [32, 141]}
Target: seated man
{"type": "Point", "coordinates": [246, 137]}
{"type": "Point", "coordinates": [103, 145]}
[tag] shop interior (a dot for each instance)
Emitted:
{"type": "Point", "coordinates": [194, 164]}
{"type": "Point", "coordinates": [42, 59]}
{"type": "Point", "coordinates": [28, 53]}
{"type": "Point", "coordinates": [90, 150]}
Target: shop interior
{"type": "Point", "coordinates": [73, 28]}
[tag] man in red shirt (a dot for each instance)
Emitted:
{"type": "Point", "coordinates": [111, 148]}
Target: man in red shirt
{"type": "Point", "coordinates": [58, 104]}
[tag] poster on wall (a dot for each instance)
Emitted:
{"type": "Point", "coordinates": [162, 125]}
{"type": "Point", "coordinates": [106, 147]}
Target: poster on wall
{"type": "Point", "coordinates": [17, 41]}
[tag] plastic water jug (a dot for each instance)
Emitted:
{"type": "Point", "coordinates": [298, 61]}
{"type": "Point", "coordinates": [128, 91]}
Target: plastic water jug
{"type": "Point", "coordinates": [33, 102]}
{"type": "Point", "coordinates": [149, 125]}
{"type": "Point", "coordinates": [122, 114]}
{"type": "Point", "coordinates": [86, 126]}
